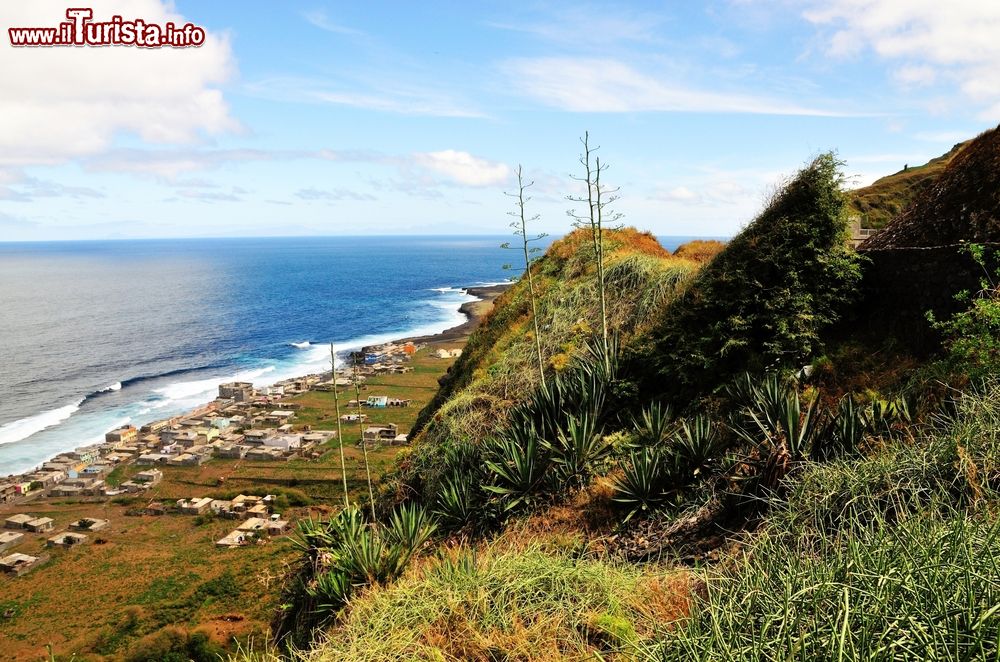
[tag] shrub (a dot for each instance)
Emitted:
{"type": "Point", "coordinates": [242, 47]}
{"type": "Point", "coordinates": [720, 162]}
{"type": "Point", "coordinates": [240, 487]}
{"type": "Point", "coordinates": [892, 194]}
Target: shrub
{"type": "Point", "coordinates": [764, 299]}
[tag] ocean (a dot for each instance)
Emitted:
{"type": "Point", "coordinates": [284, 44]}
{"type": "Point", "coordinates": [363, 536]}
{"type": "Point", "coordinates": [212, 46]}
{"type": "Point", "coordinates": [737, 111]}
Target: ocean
{"type": "Point", "coordinates": [97, 334]}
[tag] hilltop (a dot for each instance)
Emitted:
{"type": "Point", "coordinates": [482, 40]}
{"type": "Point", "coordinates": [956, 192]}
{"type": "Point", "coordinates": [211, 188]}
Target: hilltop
{"type": "Point", "coordinates": [961, 203]}
{"type": "Point", "coordinates": [881, 201]}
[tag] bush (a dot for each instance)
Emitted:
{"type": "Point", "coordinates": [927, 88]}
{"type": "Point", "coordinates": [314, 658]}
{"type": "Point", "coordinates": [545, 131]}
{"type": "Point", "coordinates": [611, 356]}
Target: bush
{"type": "Point", "coordinates": [764, 299]}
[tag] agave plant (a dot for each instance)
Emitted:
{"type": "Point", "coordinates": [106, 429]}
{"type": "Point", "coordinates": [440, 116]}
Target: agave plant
{"type": "Point", "coordinates": [784, 433]}
{"type": "Point", "coordinates": [410, 526]}
{"type": "Point", "coordinates": [642, 485]}
{"type": "Point", "coordinates": [517, 466]}
{"type": "Point", "coordinates": [579, 449]}
{"type": "Point", "coordinates": [698, 443]}
{"type": "Point", "coordinates": [655, 423]}
{"type": "Point", "coordinates": [457, 500]}
{"type": "Point", "coordinates": [329, 591]}
{"type": "Point", "coordinates": [843, 433]}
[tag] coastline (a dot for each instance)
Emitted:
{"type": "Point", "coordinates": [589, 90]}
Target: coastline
{"type": "Point", "coordinates": [474, 311]}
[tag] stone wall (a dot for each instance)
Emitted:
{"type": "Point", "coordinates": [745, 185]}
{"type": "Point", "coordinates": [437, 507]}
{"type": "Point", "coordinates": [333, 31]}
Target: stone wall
{"type": "Point", "coordinates": [901, 284]}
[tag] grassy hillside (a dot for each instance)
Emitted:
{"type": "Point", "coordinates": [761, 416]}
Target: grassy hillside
{"type": "Point", "coordinates": [880, 202]}
{"type": "Point", "coordinates": [775, 517]}
{"type": "Point", "coordinates": [962, 205]}
{"type": "Point", "coordinates": [497, 369]}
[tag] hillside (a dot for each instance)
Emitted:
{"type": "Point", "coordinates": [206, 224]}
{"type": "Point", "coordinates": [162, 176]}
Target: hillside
{"type": "Point", "coordinates": [688, 490]}
{"type": "Point", "coordinates": [961, 204]}
{"type": "Point", "coordinates": [881, 201]}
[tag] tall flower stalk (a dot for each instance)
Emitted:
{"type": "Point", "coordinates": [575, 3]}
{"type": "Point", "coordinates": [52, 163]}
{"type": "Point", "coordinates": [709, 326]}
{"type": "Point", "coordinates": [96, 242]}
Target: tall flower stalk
{"type": "Point", "coordinates": [520, 225]}
{"type": "Point", "coordinates": [340, 432]}
{"type": "Point", "coordinates": [596, 219]}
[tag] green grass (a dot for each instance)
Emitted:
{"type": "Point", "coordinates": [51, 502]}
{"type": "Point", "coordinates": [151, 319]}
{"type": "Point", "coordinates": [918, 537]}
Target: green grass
{"type": "Point", "coordinates": [534, 603]}
{"type": "Point", "coordinates": [891, 557]}
{"type": "Point", "coordinates": [878, 203]}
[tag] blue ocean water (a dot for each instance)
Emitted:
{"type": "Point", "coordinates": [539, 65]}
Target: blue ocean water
{"type": "Point", "coordinates": [96, 334]}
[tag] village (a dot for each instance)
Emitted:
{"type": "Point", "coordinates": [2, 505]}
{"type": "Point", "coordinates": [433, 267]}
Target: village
{"type": "Point", "coordinates": [243, 424]}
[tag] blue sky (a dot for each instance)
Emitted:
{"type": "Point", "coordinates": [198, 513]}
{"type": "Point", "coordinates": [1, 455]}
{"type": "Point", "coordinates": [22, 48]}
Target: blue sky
{"type": "Point", "coordinates": [311, 118]}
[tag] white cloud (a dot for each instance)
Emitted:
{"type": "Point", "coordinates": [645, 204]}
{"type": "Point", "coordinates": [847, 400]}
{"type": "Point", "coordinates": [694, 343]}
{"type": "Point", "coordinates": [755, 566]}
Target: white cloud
{"type": "Point", "coordinates": [463, 168]}
{"type": "Point", "coordinates": [64, 102]}
{"type": "Point", "coordinates": [604, 85]}
{"type": "Point", "coordinates": [395, 97]}
{"type": "Point", "coordinates": [712, 193]}
{"type": "Point", "coordinates": [930, 40]}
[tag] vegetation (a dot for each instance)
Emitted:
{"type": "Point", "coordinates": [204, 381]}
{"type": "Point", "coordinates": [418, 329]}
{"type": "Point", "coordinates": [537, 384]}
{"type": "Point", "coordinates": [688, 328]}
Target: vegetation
{"type": "Point", "coordinates": [688, 407]}
{"type": "Point", "coordinates": [764, 300]}
{"type": "Point", "coordinates": [880, 202]}
{"type": "Point", "coordinates": [520, 226]}
{"type": "Point", "coordinates": [972, 336]}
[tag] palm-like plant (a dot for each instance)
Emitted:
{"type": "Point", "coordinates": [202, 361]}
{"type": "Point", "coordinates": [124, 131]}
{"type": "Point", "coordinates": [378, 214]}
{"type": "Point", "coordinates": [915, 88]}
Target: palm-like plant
{"type": "Point", "coordinates": [655, 423]}
{"type": "Point", "coordinates": [644, 480]}
{"type": "Point", "coordinates": [577, 450]}
{"type": "Point", "coordinates": [698, 443]}
{"type": "Point", "coordinates": [456, 502]}
{"type": "Point", "coordinates": [843, 433]}
{"type": "Point", "coordinates": [518, 467]}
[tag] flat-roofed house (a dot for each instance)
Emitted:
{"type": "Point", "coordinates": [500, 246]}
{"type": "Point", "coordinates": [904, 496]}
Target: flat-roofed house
{"type": "Point", "coordinates": [7, 492]}
{"type": "Point", "coordinates": [124, 435]}
{"type": "Point", "coordinates": [194, 506]}
{"type": "Point", "coordinates": [66, 539]}
{"type": "Point", "coordinates": [237, 391]}
{"type": "Point", "coordinates": [9, 538]}
{"type": "Point", "coordinates": [17, 521]}
{"type": "Point", "coordinates": [18, 564]}
{"type": "Point", "coordinates": [40, 525]}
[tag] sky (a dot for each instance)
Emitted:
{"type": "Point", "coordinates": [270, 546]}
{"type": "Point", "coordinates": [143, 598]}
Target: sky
{"type": "Point", "coordinates": [353, 118]}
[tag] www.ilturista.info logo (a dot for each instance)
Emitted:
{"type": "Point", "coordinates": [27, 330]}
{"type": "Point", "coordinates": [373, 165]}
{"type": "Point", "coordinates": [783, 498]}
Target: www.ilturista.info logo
{"type": "Point", "coordinates": [81, 30]}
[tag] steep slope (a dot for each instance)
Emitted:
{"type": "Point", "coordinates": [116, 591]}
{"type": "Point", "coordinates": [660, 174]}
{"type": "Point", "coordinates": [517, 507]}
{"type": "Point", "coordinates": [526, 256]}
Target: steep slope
{"type": "Point", "coordinates": [878, 203]}
{"type": "Point", "coordinates": [961, 205]}
{"type": "Point", "coordinates": [764, 300]}
{"type": "Point", "coordinates": [498, 368]}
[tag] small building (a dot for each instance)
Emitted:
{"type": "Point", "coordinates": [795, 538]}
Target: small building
{"type": "Point", "coordinates": [375, 433]}
{"type": "Point", "coordinates": [18, 521]}
{"type": "Point", "coordinates": [253, 524]}
{"type": "Point", "coordinates": [235, 538]}
{"type": "Point", "coordinates": [197, 506]}
{"type": "Point", "coordinates": [7, 492]}
{"type": "Point", "coordinates": [89, 524]}
{"type": "Point", "coordinates": [260, 509]}
{"type": "Point", "coordinates": [9, 538]}
{"type": "Point", "coordinates": [230, 451]}
{"type": "Point", "coordinates": [400, 439]}
{"type": "Point", "coordinates": [236, 391]}
{"type": "Point", "coordinates": [155, 508]}
{"type": "Point", "coordinates": [154, 427]}
{"type": "Point", "coordinates": [277, 527]}
{"type": "Point", "coordinates": [66, 491]}
{"type": "Point", "coordinates": [153, 458]}
{"type": "Point", "coordinates": [377, 401]}
{"type": "Point", "coordinates": [17, 564]}
{"type": "Point", "coordinates": [265, 454]}
{"type": "Point", "coordinates": [186, 460]}
{"type": "Point", "coordinates": [40, 525]}
{"type": "Point", "coordinates": [280, 416]}
{"type": "Point", "coordinates": [221, 506]}
{"type": "Point", "coordinates": [285, 442]}
{"type": "Point", "coordinates": [124, 435]}
{"type": "Point", "coordinates": [148, 476]}
{"type": "Point", "coordinates": [66, 540]}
